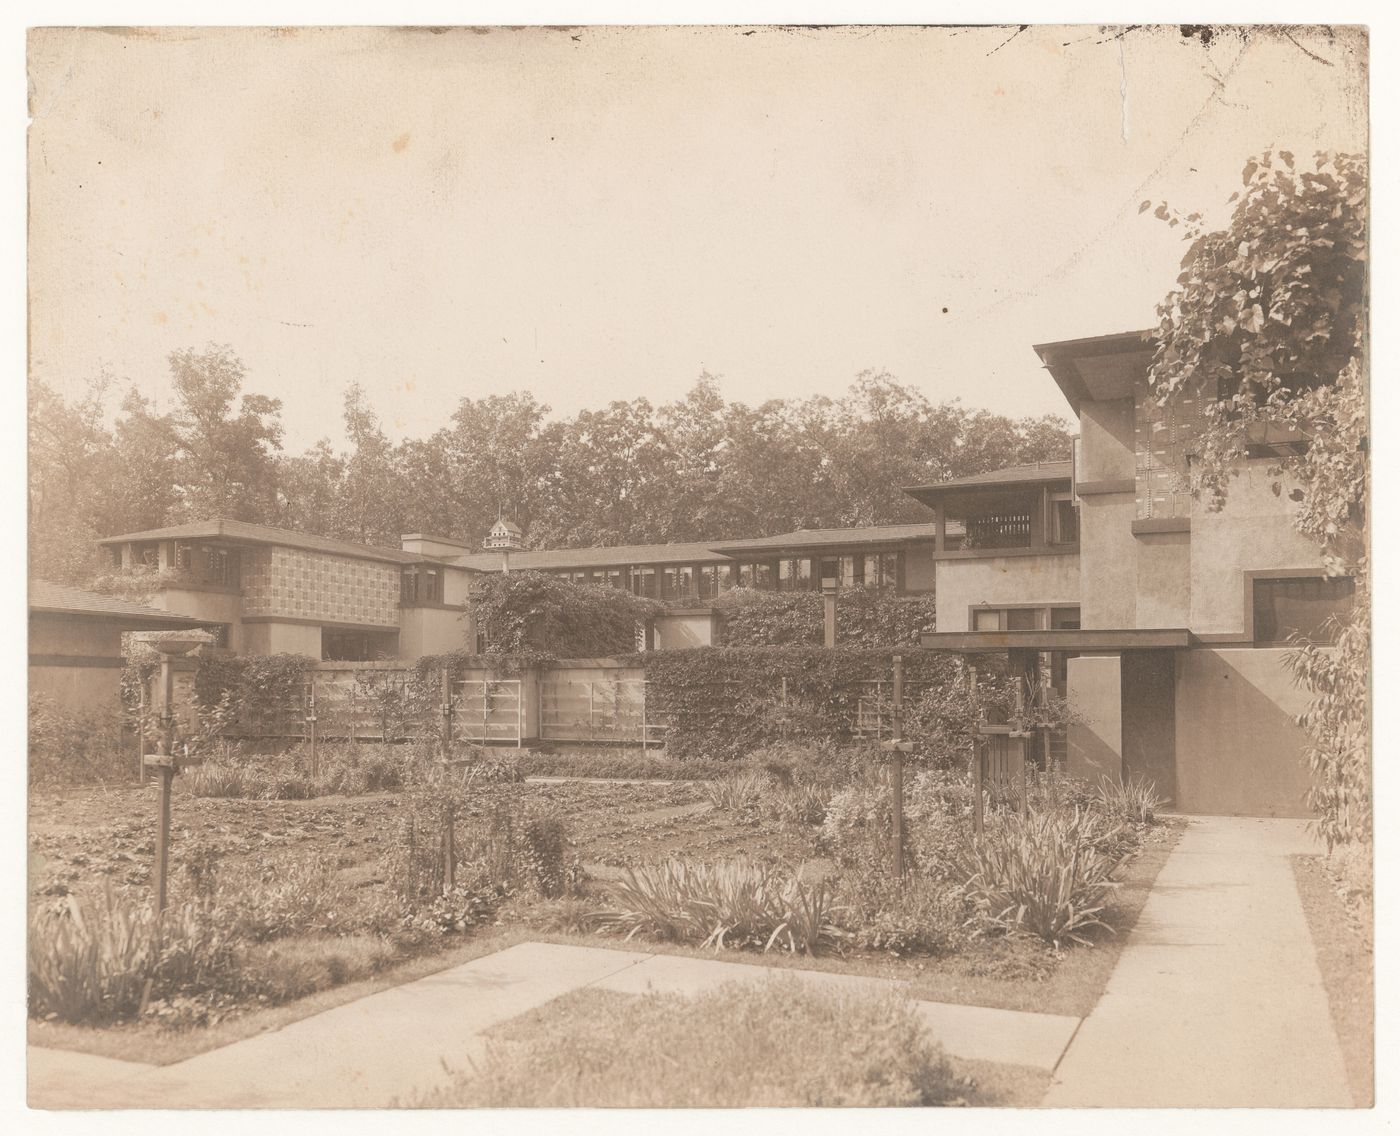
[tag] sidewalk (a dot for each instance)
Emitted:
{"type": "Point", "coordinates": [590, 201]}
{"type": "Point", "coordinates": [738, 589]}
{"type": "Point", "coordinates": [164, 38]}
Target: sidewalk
{"type": "Point", "coordinates": [1216, 1000]}
{"type": "Point", "coordinates": [390, 1046]}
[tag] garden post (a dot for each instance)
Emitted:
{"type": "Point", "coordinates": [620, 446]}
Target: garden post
{"type": "Point", "coordinates": [311, 723]}
{"type": "Point", "coordinates": [829, 612]}
{"type": "Point", "coordinates": [978, 761]}
{"type": "Point", "coordinates": [167, 776]}
{"type": "Point", "coordinates": [897, 777]}
{"type": "Point", "coordinates": [446, 696]}
{"type": "Point", "coordinates": [141, 726]}
{"type": "Point", "coordinates": [449, 839]}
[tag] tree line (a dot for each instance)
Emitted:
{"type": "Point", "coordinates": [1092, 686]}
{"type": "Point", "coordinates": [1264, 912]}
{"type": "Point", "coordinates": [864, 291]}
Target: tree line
{"type": "Point", "coordinates": [697, 468]}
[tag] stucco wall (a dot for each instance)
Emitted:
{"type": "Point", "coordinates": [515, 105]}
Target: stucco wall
{"type": "Point", "coordinates": [433, 631]}
{"type": "Point", "coordinates": [314, 585]}
{"type": "Point", "coordinates": [1108, 556]}
{"type": "Point", "coordinates": [221, 607]}
{"type": "Point", "coordinates": [65, 635]}
{"type": "Point", "coordinates": [1163, 580]}
{"type": "Point", "coordinates": [684, 631]}
{"type": "Point", "coordinates": [1106, 440]}
{"type": "Point", "coordinates": [274, 638]}
{"type": "Point", "coordinates": [1253, 532]}
{"type": "Point", "coordinates": [1003, 580]}
{"type": "Point", "coordinates": [1095, 739]}
{"type": "Point", "coordinates": [456, 585]}
{"type": "Point", "coordinates": [1239, 751]}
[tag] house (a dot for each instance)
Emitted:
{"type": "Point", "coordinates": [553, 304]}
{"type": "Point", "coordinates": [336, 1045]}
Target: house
{"type": "Point", "coordinates": [270, 590]}
{"type": "Point", "coordinates": [75, 643]}
{"type": "Point", "coordinates": [1166, 624]}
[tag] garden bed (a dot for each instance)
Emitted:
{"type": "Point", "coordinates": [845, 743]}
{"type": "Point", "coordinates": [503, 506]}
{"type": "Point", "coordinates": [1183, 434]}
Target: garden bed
{"type": "Point", "coordinates": [308, 888]}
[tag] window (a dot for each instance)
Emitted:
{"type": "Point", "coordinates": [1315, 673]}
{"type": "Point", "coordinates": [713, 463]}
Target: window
{"type": "Point", "coordinates": [762, 574]}
{"type": "Point", "coordinates": [420, 584]}
{"type": "Point", "coordinates": [613, 577]}
{"type": "Point", "coordinates": [184, 556]}
{"type": "Point", "coordinates": [795, 575]}
{"type": "Point", "coordinates": [881, 570]}
{"type": "Point", "coordinates": [1064, 520]}
{"type": "Point", "coordinates": [676, 582]}
{"type": "Point", "coordinates": [643, 581]}
{"type": "Point", "coordinates": [1020, 618]}
{"type": "Point", "coordinates": [708, 581]}
{"type": "Point", "coordinates": [1300, 605]}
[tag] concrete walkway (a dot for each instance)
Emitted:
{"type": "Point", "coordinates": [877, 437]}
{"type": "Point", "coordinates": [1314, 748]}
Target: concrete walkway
{"type": "Point", "coordinates": [1216, 1000]}
{"type": "Point", "coordinates": [391, 1046]}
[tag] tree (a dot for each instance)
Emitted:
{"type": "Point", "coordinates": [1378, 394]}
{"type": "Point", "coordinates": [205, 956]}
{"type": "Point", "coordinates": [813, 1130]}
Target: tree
{"type": "Point", "coordinates": [222, 455]}
{"type": "Point", "coordinates": [1265, 333]}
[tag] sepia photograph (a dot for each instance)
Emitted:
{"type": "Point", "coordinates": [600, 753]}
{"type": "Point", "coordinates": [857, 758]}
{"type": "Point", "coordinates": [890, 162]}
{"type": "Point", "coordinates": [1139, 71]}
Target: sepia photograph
{"type": "Point", "coordinates": [698, 566]}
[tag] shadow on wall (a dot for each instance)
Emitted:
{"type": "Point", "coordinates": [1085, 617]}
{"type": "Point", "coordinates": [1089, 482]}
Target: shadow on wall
{"type": "Point", "coordinates": [1239, 750]}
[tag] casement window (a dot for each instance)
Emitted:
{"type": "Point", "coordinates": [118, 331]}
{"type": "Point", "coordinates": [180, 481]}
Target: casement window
{"type": "Point", "coordinates": [708, 581]}
{"type": "Point", "coordinates": [613, 577]}
{"type": "Point", "coordinates": [677, 582]}
{"type": "Point", "coordinates": [881, 570]}
{"type": "Point", "coordinates": [643, 581]}
{"type": "Point", "coordinates": [758, 574]}
{"type": "Point", "coordinates": [1064, 519]}
{"type": "Point", "coordinates": [1310, 607]}
{"type": "Point", "coordinates": [421, 584]}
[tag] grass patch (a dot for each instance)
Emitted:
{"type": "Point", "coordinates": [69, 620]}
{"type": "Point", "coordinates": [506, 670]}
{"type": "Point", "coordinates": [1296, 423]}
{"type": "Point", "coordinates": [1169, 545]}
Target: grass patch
{"type": "Point", "coordinates": [780, 1043]}
{"type": "Point", "coordinates": [629, 764]}
{"type": "Point", "coordinates": [1345, 956]}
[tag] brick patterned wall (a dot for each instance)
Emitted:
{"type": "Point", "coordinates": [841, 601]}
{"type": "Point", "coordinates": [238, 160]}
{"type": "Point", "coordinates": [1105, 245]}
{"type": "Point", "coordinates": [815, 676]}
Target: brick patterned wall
{"type": "Point", "coordinates": [1162, 437]}
{"type": "Point", "coordinates": [314, 585]}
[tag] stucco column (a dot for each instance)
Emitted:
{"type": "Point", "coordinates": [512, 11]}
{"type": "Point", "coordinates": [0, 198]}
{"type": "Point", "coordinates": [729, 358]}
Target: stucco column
{"type": "Point", "coordinates": [1095, 742]}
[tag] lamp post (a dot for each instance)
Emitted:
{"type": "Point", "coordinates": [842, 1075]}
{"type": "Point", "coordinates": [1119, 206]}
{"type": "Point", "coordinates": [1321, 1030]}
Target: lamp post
{"type": "Point", "coordinates": [171, 645]}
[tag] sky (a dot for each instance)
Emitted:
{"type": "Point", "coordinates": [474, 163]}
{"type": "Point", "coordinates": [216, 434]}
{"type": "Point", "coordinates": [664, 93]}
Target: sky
{"type": "Point", "coordinates": [606, 213]}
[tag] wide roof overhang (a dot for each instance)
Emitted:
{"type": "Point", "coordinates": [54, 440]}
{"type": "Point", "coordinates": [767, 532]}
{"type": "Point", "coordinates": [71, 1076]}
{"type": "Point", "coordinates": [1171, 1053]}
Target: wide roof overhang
{"type": "Point", "coordinates": [1103, 367]}
{"type": "Point", "coordinates": [1107, 640]}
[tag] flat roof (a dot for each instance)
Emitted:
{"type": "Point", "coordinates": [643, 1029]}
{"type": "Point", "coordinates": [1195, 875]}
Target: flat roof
{"type": "Point", "coordinates": [609, 556]}
{"type": "Point", "coordinates": [1100, 367]}
{"type": "Point", "coordinates": [833, 538]}
{"type": "Point", "coordinates": [1012, 477]}
{"type": "Point", "coordinates": [1109, 639]}
{"type": "Point", "coordinates": [60, 599]}
{"type": "Point", "coordinates": [243, 532]}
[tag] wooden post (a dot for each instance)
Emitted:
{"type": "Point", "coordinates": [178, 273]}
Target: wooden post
{"type": "Point", "coordinates": [829, 614]}
{"type": "Point", "coordinates": [1023, 749]}
{"type": "Point", "coordinates": [449, 840]}
{"type": "Point", "coordinates": [979, 753]}
{"type": "Point", "coordinates": [141, 726]}
{"type": "Point", "coordinates": [167, 776]}
{"type": "Point", "coordinates": [897, 771]}
{"type": "Point", "coordinates": [445, 695]}
{"type": "Point", "coordinates": [311, 725]}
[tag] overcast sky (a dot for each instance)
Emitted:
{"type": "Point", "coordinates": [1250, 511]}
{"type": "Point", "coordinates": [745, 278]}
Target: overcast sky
{"type": "Point", "coordinates": [605, 213]}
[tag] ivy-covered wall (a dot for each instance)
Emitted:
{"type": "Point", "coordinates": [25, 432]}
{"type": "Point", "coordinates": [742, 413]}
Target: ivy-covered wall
{"type": "Point", "coordinates": [865, 617]}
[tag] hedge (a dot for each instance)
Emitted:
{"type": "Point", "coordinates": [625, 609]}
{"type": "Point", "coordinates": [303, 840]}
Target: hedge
{"type": "Point", "coordinates": [725, 702]}
{"type": "Point", "coordinates": [865, 617]}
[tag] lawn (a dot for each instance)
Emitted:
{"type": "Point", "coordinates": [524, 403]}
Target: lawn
{"type": "Point", "coordinates": [84, 840]}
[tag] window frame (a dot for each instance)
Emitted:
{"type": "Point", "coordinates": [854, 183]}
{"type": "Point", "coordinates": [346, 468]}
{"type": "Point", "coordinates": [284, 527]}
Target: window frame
{"type": "Point", "coordinates": [1251, 632]}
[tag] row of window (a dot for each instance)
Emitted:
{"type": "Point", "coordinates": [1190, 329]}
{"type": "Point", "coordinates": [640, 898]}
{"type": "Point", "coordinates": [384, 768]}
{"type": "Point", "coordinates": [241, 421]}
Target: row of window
{"type": "Point", "coordinates": [421, 584]}
{"type": "Point", "coordinates": [706, 581]}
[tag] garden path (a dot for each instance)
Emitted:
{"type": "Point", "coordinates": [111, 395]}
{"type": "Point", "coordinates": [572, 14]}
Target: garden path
{"type": "Point", "coordinates": [1216, 1000]}
{"type": "Point", "coordinates": [393, 1045]}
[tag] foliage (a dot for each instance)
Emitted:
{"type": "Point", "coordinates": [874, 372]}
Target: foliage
{"type": "Point", "coordinates": [521, 611]}
{"type": "Point", "coordinates": [1134, 800]}
{"type": "Point", "coordinates": [732, 903]}
{"type": "Point", "coordinates": [858, 828]}
{"type": "Point", "coordinates": [920, 914]}
{"type": "Point", "coordinates": [621, 763]}
{"type": "Point", "coordinates": [725, 702]}
{"type": "Point", "coordinates": [91, 963]}
{"type": "Point", "coordinates": [1043, 873]}
{"type": "Point", "coordinates": [257, 687]}
{"type": "Point", "coordinates": [1266, 333]}
{"type": "Point", "coordinates": [865, 617]}
{"type": "Point", "coordinates": [351, 768]}
{"type": "Point", "coordinates": [75, 749]}
{"type": "Point", "coordinates": [781, 1042]}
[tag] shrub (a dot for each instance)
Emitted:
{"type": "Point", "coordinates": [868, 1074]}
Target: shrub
{"type": "Point", "coordinates": [544, 854]}
{"type": "Point", "coordinates": [75, 749]}
{"type": "Point", "coordinates": [521, 611]}
{"type": "Point", "coordinates": [730, 903]}
{"type": "Point", "coordinates": [91, 963]}
{"type": "Point", "coordinates": [1133, 800]}
{"type": "Point", "coordinates": [295, 897]}
{"type": "Point", "coordinates": [775, 1043]}
{"type": "Point", "coordinates": [858, 829]}
{"type": "Point", "coordinates": [865, 617]}
{"type": "Point", "coordinates": [737, 792]}
{"type": "Point", "coordinates": [1043, 873]}
{"type": "Point", "coordinates": [916, 915]}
